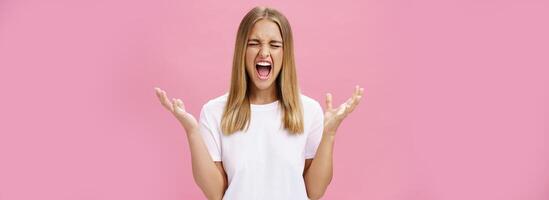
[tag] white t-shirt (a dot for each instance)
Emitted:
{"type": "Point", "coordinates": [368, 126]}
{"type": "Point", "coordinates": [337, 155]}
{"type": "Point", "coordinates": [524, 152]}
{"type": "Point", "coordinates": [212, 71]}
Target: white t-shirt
{"type": "Point", "coordinates": [266, 161]}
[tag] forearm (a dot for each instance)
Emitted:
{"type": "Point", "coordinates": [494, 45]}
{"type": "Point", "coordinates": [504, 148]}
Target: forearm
{"type": "Point", "coordinates": [319, 174]}
{"type": "Point", "coordinates": [206, 174]}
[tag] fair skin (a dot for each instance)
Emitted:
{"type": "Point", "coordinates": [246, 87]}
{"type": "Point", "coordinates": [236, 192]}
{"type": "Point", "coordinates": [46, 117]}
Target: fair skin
{"type": "Point", "coordinates": [208, 175]}
{"type": "Point", "coordinates": [264, 45]}
{"type": "Point", "coordinates": [318, 171]}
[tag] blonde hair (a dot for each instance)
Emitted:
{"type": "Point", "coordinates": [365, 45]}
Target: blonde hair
{"type": "Point", "coordinates": [236, 115]}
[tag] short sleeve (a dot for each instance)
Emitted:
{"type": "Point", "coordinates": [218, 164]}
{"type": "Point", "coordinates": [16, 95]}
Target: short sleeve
{"type": "Point", "coordinates": [209, 133]}
{"type": "Point", "coordinates": [315, 132]}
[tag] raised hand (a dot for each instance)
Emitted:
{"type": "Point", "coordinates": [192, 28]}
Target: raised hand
{"type": "Point", "coordinates": [177, 108]}
{"type": "Point", "coordinates": [334, 116]}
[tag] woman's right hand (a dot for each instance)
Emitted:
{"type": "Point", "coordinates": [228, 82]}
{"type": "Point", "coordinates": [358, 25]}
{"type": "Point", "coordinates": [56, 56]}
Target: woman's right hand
{"type": "Point", "coordinates": [177, 108]}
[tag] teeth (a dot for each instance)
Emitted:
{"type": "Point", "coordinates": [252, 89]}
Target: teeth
{"type": "Point", "coordinates": [264, 63]}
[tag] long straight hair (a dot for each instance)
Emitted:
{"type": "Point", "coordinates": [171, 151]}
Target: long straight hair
{"type": "Point", "coordinates": [236, 115]}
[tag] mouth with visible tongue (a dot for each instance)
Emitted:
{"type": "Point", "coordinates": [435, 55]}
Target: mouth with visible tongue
{"type": "Point", "coordinates": [263, 70]}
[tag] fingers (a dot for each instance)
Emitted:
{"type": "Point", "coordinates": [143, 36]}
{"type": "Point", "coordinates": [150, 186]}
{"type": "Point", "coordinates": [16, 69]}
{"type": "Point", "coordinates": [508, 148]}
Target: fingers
{"type": "Point", "coordinates": [177, 104]}
{"type": "Point", "coordinates": [328, 101]}
{"type": "Point", "coordinates": [353, 101]}
{"type": "Point", "coordinates": [180, 104]}
{"type": "Point", "coordinates": [357, 96]}
{"type": "Point", "coordinates": [174, 104]}
{"type": "Point", "coordinates": [166, 102]}
{"type": "Point", "coordinates": [161, 94]}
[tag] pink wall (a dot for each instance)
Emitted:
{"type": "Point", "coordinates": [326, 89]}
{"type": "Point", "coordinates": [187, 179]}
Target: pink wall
{"type": "Point", "coordinates": [456, 95]}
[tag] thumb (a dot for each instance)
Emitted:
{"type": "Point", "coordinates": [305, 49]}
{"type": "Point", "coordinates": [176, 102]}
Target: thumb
{"type": "Point", "coordinates": [328, 101]}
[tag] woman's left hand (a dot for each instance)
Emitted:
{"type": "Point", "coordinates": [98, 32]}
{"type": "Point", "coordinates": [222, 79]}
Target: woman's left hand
{"type": "Point", "coordinates": [334, 116]}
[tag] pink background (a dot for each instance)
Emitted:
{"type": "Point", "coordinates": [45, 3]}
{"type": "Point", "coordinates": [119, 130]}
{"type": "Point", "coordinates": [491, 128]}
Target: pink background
{"type": "Point", "coordinates": [456, 95]}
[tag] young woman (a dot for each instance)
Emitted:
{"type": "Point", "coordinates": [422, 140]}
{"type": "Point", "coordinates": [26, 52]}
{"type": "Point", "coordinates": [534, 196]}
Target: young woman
{"type": "Point", "coordinates": [263, 139]}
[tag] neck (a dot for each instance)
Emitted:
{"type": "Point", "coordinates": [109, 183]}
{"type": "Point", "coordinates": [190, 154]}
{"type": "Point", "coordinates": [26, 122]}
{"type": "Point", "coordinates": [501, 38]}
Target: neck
{"type": "Point", "coordinates": [265, 96]}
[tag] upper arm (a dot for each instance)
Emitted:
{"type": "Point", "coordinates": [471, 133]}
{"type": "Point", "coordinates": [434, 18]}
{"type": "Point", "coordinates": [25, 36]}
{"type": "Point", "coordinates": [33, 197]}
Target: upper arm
{"type": "Point", "coordinates": [219, 166]}
{"type": "Point", "coordinates": [209, 132]}
{"type": "Point", "coordinates": [315, 131]}
{"type": "Point", "coordinates": [307, 165]}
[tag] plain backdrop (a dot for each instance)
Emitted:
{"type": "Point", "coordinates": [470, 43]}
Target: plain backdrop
{"type": "Point", "coordinates": [455, 107]}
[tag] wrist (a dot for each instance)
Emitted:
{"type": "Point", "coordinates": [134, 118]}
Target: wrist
{"type": "Point", "coordinates": [191, 130]}
{"type": "Point", "coordinates": [329, 136]}
{"type": "Point", "coordinates": [330, 132]}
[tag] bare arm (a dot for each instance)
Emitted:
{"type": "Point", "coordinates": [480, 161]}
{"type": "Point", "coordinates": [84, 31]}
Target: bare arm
{"type": "Point", "coordinates": [208, 175]}
{"type": "Point", "coordinates": [318, 171]}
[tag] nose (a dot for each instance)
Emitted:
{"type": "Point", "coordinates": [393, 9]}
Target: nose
{"type": "Point", "coordinates": [264, 52]}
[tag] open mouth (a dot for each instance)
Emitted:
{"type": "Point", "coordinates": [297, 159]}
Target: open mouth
{"type": "Point", "coordinates": [263, 69]}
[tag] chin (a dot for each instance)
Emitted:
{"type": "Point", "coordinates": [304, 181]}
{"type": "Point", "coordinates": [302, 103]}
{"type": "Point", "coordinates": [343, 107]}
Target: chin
{"type": "Point", "coordinates": [263, 86]}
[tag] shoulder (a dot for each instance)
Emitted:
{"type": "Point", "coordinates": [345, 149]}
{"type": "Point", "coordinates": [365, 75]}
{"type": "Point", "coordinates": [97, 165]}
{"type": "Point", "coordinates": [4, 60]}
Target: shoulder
{"type": "Point", "coordinates": [310, 104]}
{"type": "Point", "coordinates": [216, 104]}
{"type": "Point", "coordinates": [313, 115]}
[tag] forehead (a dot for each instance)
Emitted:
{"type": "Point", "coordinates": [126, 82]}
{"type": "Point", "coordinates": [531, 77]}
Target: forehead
{"type": "Point", "coordinates": [265, 30]}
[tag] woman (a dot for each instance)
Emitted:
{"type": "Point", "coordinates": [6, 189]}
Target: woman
{"type": "Point", "coordinates": [263, 139]}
